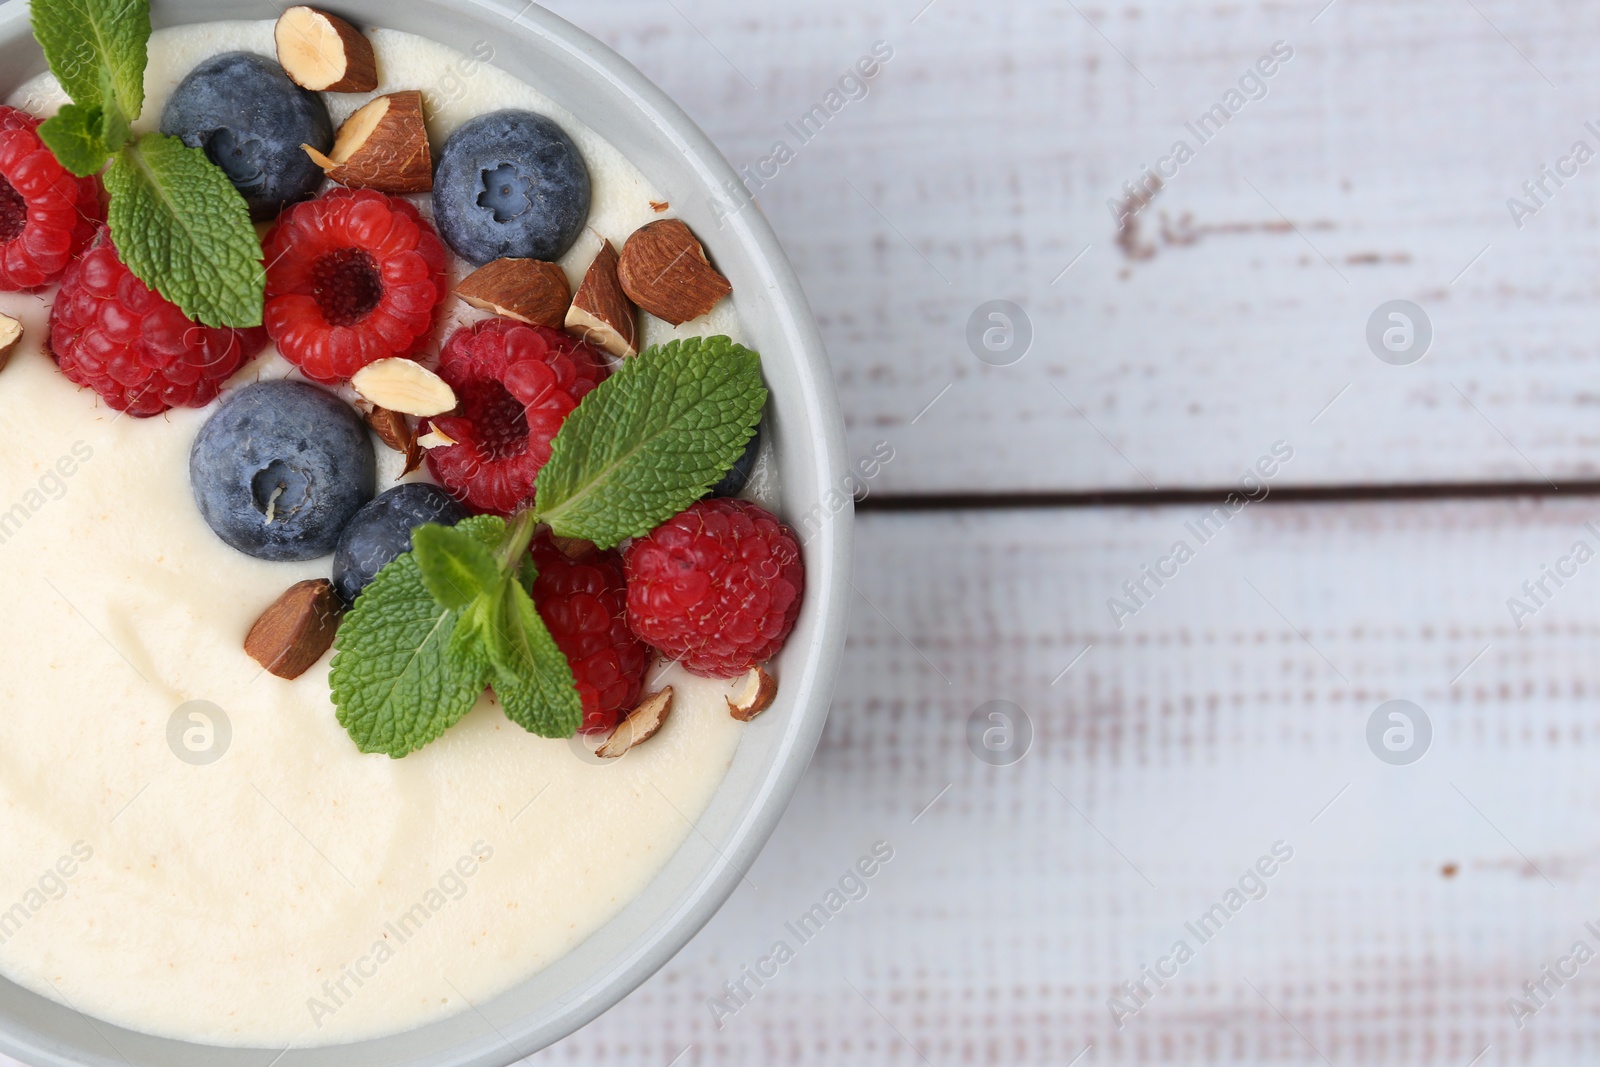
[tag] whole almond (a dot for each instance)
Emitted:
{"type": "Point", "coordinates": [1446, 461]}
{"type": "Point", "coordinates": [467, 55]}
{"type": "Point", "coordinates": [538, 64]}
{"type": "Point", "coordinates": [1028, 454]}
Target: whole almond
{"type": "Point", "coordinates": [664, 270]}
{"type": "Point", "coordinates": [297, 629]}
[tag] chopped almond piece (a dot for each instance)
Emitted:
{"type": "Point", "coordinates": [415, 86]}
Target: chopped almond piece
{"type": "Point", "coordinates": [640, 725]}
{"type": "Point", "coordinates": [383, 146]}
{"type": "Point", "coordinates": [324, 53]}
{"type": "Point", "coordinates": [664, 270]}
{"type": "Point", "coordinates": [757, 689]}
{"type": "Point", "coordinates": [524, 290]}
{"type": "Point", "coordinates": [297, 629]}
{"type": "Point", "coordinates": [601, 312]}
{"type": "Point", "coordinates": [10, 335]}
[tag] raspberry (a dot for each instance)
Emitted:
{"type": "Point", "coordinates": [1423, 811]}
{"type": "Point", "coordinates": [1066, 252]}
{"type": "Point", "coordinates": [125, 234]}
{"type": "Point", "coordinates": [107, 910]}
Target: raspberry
{"type": "Point", "coordinates": [353, 276]}
{"type": "Point", "coordinates": [111, 332]}
{"type": "Point", "coordinates": [47, 216]}
{"type": "Point", "coordinates": [718, 587]}
{"type": "Point", "coordinates": [584, 603]}
{"type": "Point", "coordinates": [514, 385]}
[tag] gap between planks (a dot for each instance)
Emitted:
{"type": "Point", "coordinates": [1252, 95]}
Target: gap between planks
{"type": "Point", "coordinates": [1289, 494]}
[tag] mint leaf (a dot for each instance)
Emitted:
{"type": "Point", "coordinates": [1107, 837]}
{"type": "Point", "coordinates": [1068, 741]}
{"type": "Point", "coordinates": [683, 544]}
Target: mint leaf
{"type": "Point", "coordinates": [97, 49]}
{"type": "Point", "coordinates": [479, 634]}
{"type": "Point", "coordinates": [181, 226]}
{"type": "Point", "coordinates": [114, 131]}
{"type": "Point", "coordinates": [394, 685]}
{"type": "Point", "coordinates": [487, 530]}
{"type": "Point", "coordinates": [411, 660]}
{"type": "Point", "coordinates": [398, 680]}
{"type": "Point", "coordinates": [501, 626]}
{"type": "Point", "coordinates": [455, 567]}
{"type": "Point", "coordinates": [538, 693]}
{"type": "Point", "coordinates": [77, 137]}
{"type": "Point", "coordinates": [651, 439]}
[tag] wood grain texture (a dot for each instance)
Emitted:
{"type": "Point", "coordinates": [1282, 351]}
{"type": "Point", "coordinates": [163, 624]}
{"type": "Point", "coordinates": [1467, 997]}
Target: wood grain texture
{"type": "Point", "coordinates": [1164, 763]}
{"type": "Point", "coordinates": [1378, 166]}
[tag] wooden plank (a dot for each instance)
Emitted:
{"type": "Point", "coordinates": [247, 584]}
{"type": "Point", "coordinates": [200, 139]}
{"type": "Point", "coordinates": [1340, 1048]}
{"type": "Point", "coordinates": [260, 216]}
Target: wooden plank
{"type": "Point", "coordinates": [1228, 715]}
{"type": "Point", "coordinates": [1378, 166]}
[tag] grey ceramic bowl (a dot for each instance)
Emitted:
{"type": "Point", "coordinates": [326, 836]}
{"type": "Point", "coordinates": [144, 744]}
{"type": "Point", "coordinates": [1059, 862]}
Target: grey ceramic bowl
{"type": "Point", "coordinates": [615, 100]}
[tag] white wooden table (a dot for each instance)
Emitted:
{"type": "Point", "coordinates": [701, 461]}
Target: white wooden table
{"type": "Point", "coordinates": [1230, 711]}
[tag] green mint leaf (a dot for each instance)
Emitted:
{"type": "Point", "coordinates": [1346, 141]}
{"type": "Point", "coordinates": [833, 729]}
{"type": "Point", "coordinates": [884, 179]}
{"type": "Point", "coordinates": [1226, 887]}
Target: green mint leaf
{"type": "Point", "coordinates": [114, 131]}
{"type": "Point", "coordinates": [538, 692]}
{"type": "Point", "coordinates": [502, 627]}
{"type": "Point", "coordinates": [407, 667]}
{"type": "Point", "coordinates": [97, 49]}
{"type": "Point", "coordinates": [397, 682]}
{"type": "Point", "coordinates": [181, 226]}
{"type": "Point", "coordinates": [76, 136]}
{"type": "Point", "coordinates": [456, 568]}
{"type": "Point", "coordinates": [398, 679]}
{"type": "Point", "coordinates": [480, 635]}
{"type": "Point", "coordinates": [651, 439]}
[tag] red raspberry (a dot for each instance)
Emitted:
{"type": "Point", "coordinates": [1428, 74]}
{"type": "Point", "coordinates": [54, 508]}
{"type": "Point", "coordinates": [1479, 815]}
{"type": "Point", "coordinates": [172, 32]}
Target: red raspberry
{"type": "Point", "coordinates": [352, 277]}
{"type": "Point", "coordinates": [584, 603]}
{"type": "Point", "coordinates": [111, 332]}
{"type": "Point", "coordinates": [717, 588]}
{"type": "Point", "coordinates": [515, 385]}
{"type": "Point", "coordinates": [47, 216]}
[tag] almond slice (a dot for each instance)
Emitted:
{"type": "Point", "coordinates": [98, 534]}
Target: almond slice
{"type": "Point", "coordinates": [383, 146]}
{"type": "Point", "coordinates": [527, 290]}
{"type": "Point", "coordinates": [297, 629]}
{"type": "Point", "coordinates": [640, 725]}
{"type": "Point", "coordinates": [404, 385]}
{"type": "Point", "coordinates": [664, 270]}
{"type": "Point", "coordinates": [435, 438]}
{"type": "Point", "coordinates": [601, 312]}
{"type": "Point", "coordinates": [324, 53]}
{"type": "Point", "coordinates": [755, 694]}
{"type": "Point", "coordinates": [10, 335]}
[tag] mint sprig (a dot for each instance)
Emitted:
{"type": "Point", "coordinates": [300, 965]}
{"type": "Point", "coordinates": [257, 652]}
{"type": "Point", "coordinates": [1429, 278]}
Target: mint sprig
{"type": "Point", "coordinates": [177, 221]}
{"type": "Point", "coordinates": [408, 666]}
{"type": "Point", "coordinates": [455, 613]}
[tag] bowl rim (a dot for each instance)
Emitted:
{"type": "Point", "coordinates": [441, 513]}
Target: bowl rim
{"type": "Point", "coordinates": [31, 1026]}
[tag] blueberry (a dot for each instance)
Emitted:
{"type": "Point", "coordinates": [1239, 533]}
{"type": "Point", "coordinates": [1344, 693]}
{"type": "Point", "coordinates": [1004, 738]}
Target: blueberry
{"type": "Point", "coordinates": [382, 530]}
{"type": "Point", "coordinates": [251, 120]}
{"type": "Point", "coordinates": [280, 469]}
{"type": "Point", "coordinates": [510, 184]}
{"type": "Point", "coordinates": [738, 475]}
